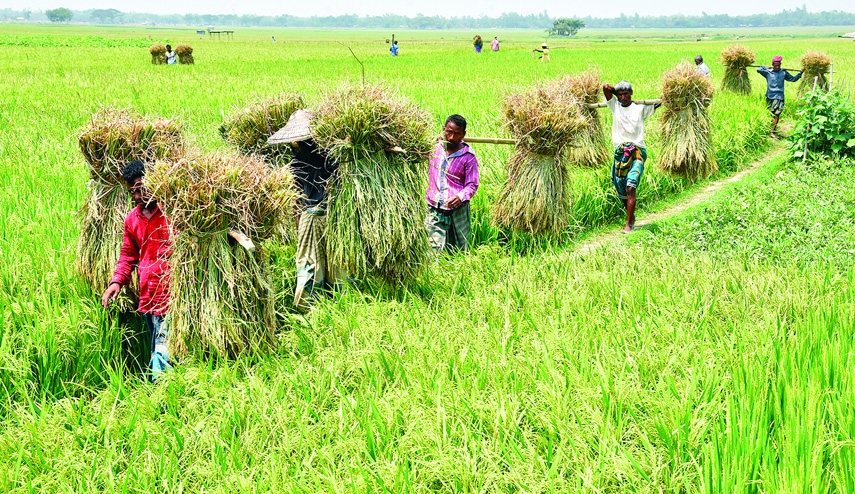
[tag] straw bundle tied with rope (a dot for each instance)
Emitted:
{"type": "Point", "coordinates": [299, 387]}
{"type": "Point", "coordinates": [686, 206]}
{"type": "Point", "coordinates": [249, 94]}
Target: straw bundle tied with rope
{"type": "Point", "coordinates": [687, 145]}
{"type": "Point", "coordinates": [736, 60]}
{"type": "Point", "coordinates": [158, 54]}
{"type": "Point", "coordinates": [591, 147]}
{"type": "Point", "coordinates": [185, 54]}
{"type": "Point", "coordinates": [221, 294]}
{"type": "Point", "coordinates": [248, 128]}
{"type": "Point", "coordinates": [817, 65]}
{"type": "Point", "coordinates": [375, 219]}
{"type": "Point", "coordinates": [111, 139]}
{"type": "Point", "coordinates": [544, 121]}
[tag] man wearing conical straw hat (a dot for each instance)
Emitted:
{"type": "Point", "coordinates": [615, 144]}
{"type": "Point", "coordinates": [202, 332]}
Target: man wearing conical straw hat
{"type": "Point", "coordinates": [775, 79]}
{"type": "Point", "coordinates": [452, 181]}
{"type": "Point", "coordinates": [145, 246]}
{"type": "Point", "coordinates": [630, 148]}
{"type": "Point", "coordinates": [312, 170]}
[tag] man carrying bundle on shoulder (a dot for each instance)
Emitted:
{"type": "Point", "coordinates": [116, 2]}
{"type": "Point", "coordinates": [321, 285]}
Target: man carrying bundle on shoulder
{"type": "Point", "coordinates": [313, 171]}
{"type": "Point", "coordinates": [452, 181]}
{"type": "Point", "coordinates": [145, 246]}
{"type": "Point", "coordinates": [775, 78]}
{"type": "Point", "coordinates": [630, 148]}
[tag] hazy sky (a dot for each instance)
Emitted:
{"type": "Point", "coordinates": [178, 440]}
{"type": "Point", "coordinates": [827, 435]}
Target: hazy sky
{"type": "Point", "coordinates": [492, 8]}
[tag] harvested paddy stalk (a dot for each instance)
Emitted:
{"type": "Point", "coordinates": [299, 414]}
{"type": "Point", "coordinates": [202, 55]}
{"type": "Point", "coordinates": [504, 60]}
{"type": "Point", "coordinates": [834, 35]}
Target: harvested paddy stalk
{"type": "Point", "coordinates": [376, 212]}
{"type": "Point", "coordinates": [736, 59]}
{"type": "Point", "coordinates": [817, 65]}
{"type": "Point", "coordinates": [111, 139]}
{"type": "Point", "coordinates": [591, 147]}
{"type": "Point", "coordinates": [544, 122]}
{"type": "Point", "coordinates": [687, 145]}
{"type": "Point", "coordinates": [185, 54]}
{"type": "Point", "coordinates": [158, 54]}
{"type": "Point", "coordinates": [221, 295]}
{"type": "Point", "coordinates": [248, 128]}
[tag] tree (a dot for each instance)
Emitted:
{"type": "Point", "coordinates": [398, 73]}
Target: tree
{"type": "Point", "coordinates": [105, 16]}
{"type": "Point", "coordinates": [566, 26]}
{"type": "Point", "coordinates": [61, 14]}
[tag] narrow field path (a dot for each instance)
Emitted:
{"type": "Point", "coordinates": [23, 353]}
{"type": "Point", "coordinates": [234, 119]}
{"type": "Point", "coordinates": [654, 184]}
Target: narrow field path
{"type": "Point", "coordinates": [698, 197]}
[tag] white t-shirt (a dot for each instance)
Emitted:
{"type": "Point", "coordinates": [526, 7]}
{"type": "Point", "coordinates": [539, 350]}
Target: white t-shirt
{"type": "Point", "coordinates": [628, 122]}
{"type": "Point", "coordinates": [170, 57]}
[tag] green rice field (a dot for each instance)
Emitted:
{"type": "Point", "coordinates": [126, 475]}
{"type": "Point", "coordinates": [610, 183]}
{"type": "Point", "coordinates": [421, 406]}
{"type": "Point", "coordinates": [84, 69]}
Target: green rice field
{"type": "Point", "coordinates": [712, 352]}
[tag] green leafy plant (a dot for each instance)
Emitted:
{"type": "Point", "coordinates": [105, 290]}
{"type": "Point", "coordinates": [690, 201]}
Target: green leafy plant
{"type": "Point", "coordinates": [826, 125]}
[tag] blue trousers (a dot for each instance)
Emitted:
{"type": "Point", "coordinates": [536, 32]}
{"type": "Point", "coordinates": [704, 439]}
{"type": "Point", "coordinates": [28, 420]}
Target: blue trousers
{"type": "Point", "coordinates": [158, 330]}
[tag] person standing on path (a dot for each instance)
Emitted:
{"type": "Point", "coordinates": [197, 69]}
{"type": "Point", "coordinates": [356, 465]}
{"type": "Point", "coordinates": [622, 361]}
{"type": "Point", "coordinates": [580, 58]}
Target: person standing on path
{"type": "Point", "coordinates": [702, 67]}
{"type": "Point", "coordinates": [452, 181]}
{"type": "Point", "coordinates": [630, 148]}
{"type": "Point", "coordinates": [494, 45]}
{"type": "Point", "coordinates": [146, 246]}
{"type": "Point", "coordinates": [775, 79]}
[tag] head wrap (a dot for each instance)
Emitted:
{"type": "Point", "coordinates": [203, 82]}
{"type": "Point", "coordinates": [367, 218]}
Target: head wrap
{"type": "Point", "coordinates": [777, 58]}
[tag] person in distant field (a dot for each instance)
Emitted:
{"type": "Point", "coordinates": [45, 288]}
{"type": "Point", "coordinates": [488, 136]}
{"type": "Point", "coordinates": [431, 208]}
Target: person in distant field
{"type": "Point", "coordinates": [171, 56]}
{"type": "Point", "coordinates": [702, 67]}
{"type": "Point", "coordinates": [394, 48]}
{"type": "Point", "coordinates": [628, 139]}
{"type": "Point", "coordinates": [478, 44]}
{"type": "Point", "coordinates": [452, 181]}
{"type": "Point", "coordinates": [494, 45]}
{"type": "Point", "coordinates": [545, 53]}
{"type": "Point", "coordinates": [146, 246]}
{"type": "Point", "coordinates": [313, 173]}
{"type": "Point", "coordinates": [273, 39]}
{"type": "Point", "coordinates": [775, 78]}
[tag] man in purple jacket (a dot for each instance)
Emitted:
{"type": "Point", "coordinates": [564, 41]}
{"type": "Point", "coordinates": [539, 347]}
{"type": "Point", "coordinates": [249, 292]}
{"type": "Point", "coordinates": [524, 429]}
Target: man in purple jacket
{"type": "Point", "coordinates": [452, 181]}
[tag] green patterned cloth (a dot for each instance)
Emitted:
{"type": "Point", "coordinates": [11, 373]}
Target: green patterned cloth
{"type": "Point", "coordinates": [313, 269]}
{"type": "Point", "coordinates": [448, 230]}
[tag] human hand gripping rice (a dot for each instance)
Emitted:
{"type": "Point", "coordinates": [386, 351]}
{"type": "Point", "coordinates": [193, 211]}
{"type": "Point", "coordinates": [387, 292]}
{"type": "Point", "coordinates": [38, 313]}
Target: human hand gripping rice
{"type": "Point", "coordinates": [222, 298]}
{"type": "Point", "coordinates": [375, 214]}
{"type": "Point", "coordinates": [544, 122]}
{"type": "Point", "coordinates": [687, 144]}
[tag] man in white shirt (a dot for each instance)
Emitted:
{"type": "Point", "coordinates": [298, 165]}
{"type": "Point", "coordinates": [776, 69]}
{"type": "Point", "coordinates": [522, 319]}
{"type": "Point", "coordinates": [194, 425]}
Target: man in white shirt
{"type": "Point", "coordinates": [702, 67]}
{"type": "Point", "coordinates": [628, 139]}
{"type": "Point", "coordinates": [170, 55]}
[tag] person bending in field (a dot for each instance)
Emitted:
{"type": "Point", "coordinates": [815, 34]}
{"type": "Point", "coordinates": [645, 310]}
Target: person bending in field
{"type": "Point", "coordinates": [146, 246]}
{"type": "Point", "coordinates": [313, 171]}
{"type": "Point", "coordinates": [775, 78]}
{"type": "Point", "coordinates": [702, 67]}
{"type": "Point", "coordinates": [452, 181]}
{"type": "Point", "coordinates": [170, 55]}
{"type": "Point", "coordinates": [628, 139]}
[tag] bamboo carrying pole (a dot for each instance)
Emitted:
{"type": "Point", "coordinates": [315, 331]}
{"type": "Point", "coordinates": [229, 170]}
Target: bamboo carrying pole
{"type": "Point", "coordinates": [604, 104]}
{"type": "Point", "coordinates": [490, 140]}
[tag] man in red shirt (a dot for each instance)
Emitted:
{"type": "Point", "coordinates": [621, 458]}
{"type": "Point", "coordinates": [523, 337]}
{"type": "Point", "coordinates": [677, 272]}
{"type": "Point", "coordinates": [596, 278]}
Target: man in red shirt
{"type": "Point", "coordinates": [145, 246]}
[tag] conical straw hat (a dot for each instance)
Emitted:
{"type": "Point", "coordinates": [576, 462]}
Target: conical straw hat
{"type": "Point", "coordinates": [296, 130]}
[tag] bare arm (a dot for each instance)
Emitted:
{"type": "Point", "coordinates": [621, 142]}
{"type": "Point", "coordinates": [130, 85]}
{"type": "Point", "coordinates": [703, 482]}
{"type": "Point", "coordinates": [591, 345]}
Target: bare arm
{"type": "Point", "coordinates": [608, 91]}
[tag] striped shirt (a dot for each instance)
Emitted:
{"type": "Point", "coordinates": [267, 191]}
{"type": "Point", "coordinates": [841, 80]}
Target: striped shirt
{"type": "Point", "coordinates": [450, 175]}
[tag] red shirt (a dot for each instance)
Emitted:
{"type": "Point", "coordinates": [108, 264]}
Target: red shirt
{"type": "Point", "coordinates": [146, 246]}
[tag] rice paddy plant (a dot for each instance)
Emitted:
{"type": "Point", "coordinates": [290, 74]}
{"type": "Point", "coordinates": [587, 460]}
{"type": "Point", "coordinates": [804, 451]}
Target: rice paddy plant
{"type": "Point", "coordinates": [687, 143]}
{"type": "Point", "coordinates": [158, 54]}
{"type": "Point", "coordinates": [544, 122]}
{"type": "Point", "coordinates": [248, 128]}
{"type": "Point", "coordinates": [111, 139]}
{"type": "Point", "coordinates": [222, 297]}
{"type": "Point", "coordinates": [376, 212]}
{"type": "Point", "coordinates": [736, 59]}
{"type": "Point", "coordinates": [185, 54]}
{"type": "Point", "coordinates": [592, 147]}
{"type": "Point", "coordinates": [815, 66]}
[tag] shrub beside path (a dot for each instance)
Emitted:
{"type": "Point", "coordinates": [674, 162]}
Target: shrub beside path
{"type": "Point", "coordinates": [702, 195]}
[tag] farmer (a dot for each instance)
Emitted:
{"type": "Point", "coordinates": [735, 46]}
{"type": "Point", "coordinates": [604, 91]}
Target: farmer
{"type": "Point", "coordinates": [394, 49]}
{"type": "Point", "coordinates": [543, 49]}
{"type": "Point", "coordinates": [494, 45]}
{"type": "Point", "coordinates": [145, 246]}
{"type": "Point", "coordinates": [628, 139]}
{"type": "Point", "coordinates": [702, 67]}
{"type": "Point", "coordinates": [313, 170]}
{"type": "Point", "coordinates": [170, 55]}
{"type": "Point", "coordinates": [478, 44]}
{"type": "Point", "coordinates": [452, 181]}
{"type": "Point", "coordinates": [775, 78]}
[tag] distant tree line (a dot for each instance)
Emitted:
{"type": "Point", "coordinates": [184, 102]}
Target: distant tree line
{"type": "Point", "coordinates": [795, 17]}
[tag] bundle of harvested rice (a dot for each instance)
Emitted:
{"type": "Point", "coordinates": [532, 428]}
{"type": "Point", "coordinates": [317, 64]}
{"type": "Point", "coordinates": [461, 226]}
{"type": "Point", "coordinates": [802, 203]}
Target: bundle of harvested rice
{"type": "Point", "coordinates": [476, 41]}
{"type": "Point", "coordinates": [544, 122]}
{"type": "Point", "coordinates": [221, 295]}
{"type": "Point", "coordinates": [248, 128]}
{"type": "Point", "coordinates": [736, 60]}
{"type": "Point", "coordinates": [185, 54]}
{"type": "Point", "coordinates": [687, 145]}
{"type": "Point", "coordinates": [111, 139]}
{"type": "Point", "coordinates": [592, 147]}
{"type": "Point", "coordinates": [375, 220]}
{"type": "Point", "coordinates": [817, 65]}
{"type": "Point", "coordinates": [158, 54]}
